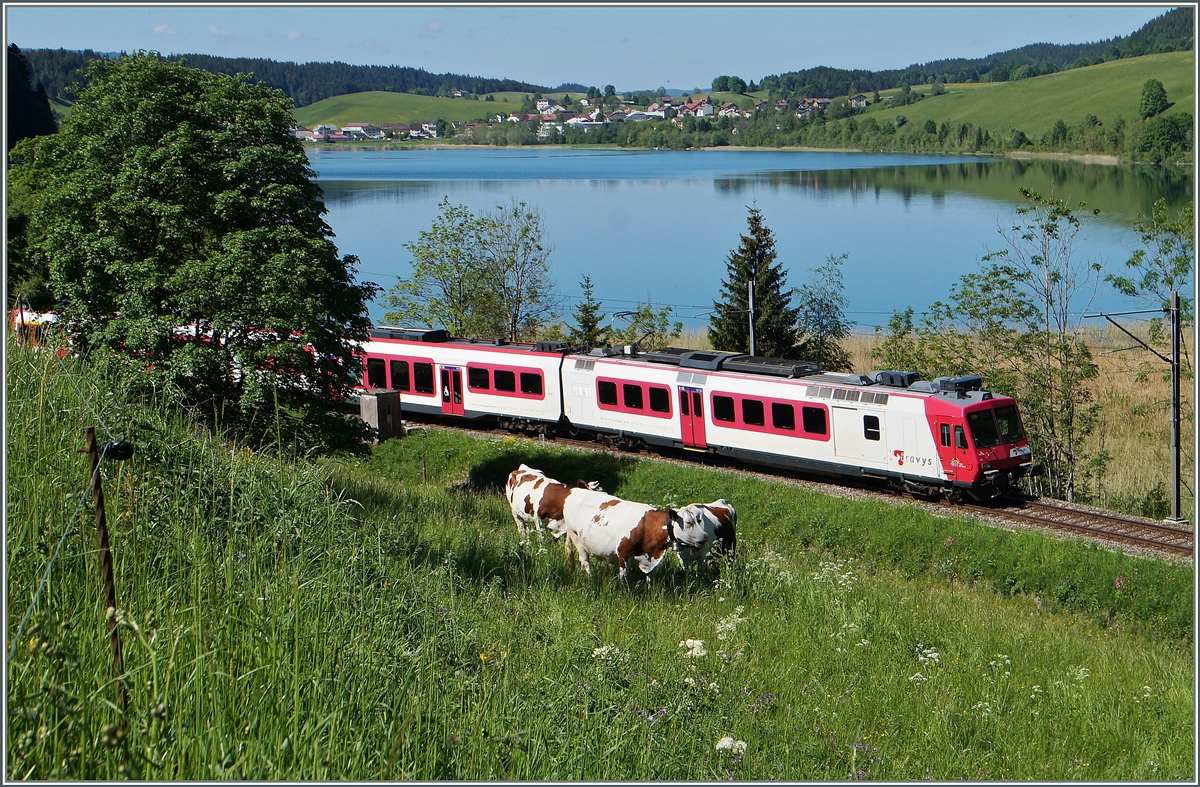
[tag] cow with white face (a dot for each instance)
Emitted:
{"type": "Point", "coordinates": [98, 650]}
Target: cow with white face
{"type": "Point", "coordinates": [536, 499]}
{"type": "Point", "coordinates": [624, 532]}
{"type": "Point", "coordinates": [703, 527]}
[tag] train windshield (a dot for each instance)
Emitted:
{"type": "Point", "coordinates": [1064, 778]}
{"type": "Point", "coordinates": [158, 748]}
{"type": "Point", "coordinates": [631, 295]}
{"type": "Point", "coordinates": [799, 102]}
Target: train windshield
{"type": "Point", "coordinates": [993, 427]}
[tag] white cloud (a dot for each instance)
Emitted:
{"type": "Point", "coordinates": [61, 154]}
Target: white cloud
{"type": "Point", "coordinates": [219, 32]}
{"type": "Point", "coordinates": [163, 30]}
{"type": "Point", "coordinates": [294, 34]}
{"type": "Point", "coordinates": [435, 26]}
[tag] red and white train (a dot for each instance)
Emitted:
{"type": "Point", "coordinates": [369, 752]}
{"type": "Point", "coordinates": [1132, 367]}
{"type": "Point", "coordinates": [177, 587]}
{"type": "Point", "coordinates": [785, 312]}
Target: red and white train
{"type": "Point", "coordinates": [932, 437]}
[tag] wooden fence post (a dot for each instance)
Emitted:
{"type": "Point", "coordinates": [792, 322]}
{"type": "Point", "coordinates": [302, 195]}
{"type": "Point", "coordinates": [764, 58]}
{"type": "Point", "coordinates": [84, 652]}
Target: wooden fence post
{"type": "Point", "coordinates": [106, 569]}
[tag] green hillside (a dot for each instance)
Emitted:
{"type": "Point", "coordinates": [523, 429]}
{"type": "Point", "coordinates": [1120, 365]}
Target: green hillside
{"type": "Point", "coordinates": [1033, 105]}
{"type": "Point", "coordinates": [382, 107]}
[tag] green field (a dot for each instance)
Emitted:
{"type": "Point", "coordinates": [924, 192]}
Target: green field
{"type": "Point", "coordinates": [382, 107]}
{"type": "Point", "coordinates": [379, 619]}
{"type": "Point", "coordinates": [1107, 90]}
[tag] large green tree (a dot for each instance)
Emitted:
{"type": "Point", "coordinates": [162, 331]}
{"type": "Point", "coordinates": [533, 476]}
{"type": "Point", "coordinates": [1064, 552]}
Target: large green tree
{"type": "Point", "coordinates": [1154, 98]}
{"type": "Point", "coordinates": [821, 316]}
{"type": "Point", "coordinates": [776, 333]}
{"type": "Point", "coordinates": [589, 329]}
{"type": "Point", "coordinates": [27, 110]}
{"type": "Point", "coordinates": [175, 197]}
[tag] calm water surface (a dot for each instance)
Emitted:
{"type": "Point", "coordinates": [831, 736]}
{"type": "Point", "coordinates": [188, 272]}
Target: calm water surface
{"type": "Point", "coordinates": [660, 224]}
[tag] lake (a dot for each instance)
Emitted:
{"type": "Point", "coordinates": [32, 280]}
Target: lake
{"type": "Point", "coordinates": [659, 225]}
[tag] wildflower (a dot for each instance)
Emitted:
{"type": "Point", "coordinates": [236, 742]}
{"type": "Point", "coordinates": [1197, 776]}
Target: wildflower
{"type": "Point", "coordinates": [1118, 582]}
{"type": "Point", "coordinates": [690, 682]}
{"type": "Point", "coordinates": [729, 624]}
{"type": "Point", "coordinates": [737, 747]}
{"type": "Point", "coordinates": [714, 688]}
{"type": "Point", "coordinates": [950, 541]}
{"type": "Point", "coordinates": [695, 648]}
{"type": "Point", "coordinates": [918, 678]}
{"type": "Point", "coordinates": [1080, 673]}
{"type": "Point", "coordinates": [927, 655]}
{"type": "Point", "coordinates": [605, 652]}
{"type": "Point", "coordinates": [1036, 691]}
{"type": "Point", "coordinates": [483, 657]}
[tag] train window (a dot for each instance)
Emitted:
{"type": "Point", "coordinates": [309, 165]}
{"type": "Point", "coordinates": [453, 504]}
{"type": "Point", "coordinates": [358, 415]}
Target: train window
{"type": "Point", "coordinates": [983, 428]}
{"type": "Point", "coordinates": [376, 372]}
{"type": "Point", "coordinates": [871, 427]}
{"type": "Point", "coordinates": [683, 402]}
{"type": "Point", "coordinates": [752, 412]}
{"type": "Point", "coordinates": [722, 408]}
{"type": "Point", "coordinates": [505, 380]}
{"type": "Point", "coordinates": [633, 396]}
{"type": "Point", "coordinates": [423, 377]}
{"type": "Point", "coordinates": [531, 383]}
{"type": "Point", "coordinates": [960, 438]}
{"type": "Point", "coordinates": [1009, 423]}
{"type": "Point", "coordinates": [660, 400]}
{"type": "Point", "coordinates": [400, 375]}
{"type": "Point", "coordinates": [814, 420]}
{"type": "Point", "coordinates": [478, 378]}
{"type": "Point", "coordinates": [945, 434]}
{"type": "Point", "coordinates": [783, 416]}
{"type": "Point", "coordinates": [606, 392]}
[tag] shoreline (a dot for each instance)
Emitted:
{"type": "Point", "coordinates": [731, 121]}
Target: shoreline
{"type": "Point", "coordinates": [1098, 159]}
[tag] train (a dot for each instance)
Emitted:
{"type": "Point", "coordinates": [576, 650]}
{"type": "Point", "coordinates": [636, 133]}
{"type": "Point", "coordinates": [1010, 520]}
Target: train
{"type": "Point", "coordinates": [943, 438]}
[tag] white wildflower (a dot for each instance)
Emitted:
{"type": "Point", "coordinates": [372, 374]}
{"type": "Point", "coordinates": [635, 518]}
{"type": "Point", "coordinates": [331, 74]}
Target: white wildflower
{"type": "Point", "coordinates": [605, 652]}
{"type": "Point", "coordinates": [1036, 691]}
{"type": "Point", "coordinates": [918, 678]}
{"type": "Point", "coordinates": [984, 708]}
{"type": "Point", "coordinates": [863, 643]}
{"type": "Point", "coordinates": [837, 573]}
{"type": "Point", "coordinates": [714, 688]}
{"type": "Point", "coordinates": [1080, 673]}
{"type": "Point", "coordinates": [927, 655]}
{"type": "Point", "coordinates": [690, 682]}
{"type": "Point", "coordinates": [695, 648]}
{"type": "Point", "coordinates": [727, 625]}
{"type": "Point", "coordinates": [728, 743]}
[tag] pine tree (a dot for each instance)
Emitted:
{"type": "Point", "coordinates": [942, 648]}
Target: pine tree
{"type": "Point", "coordinates": [775, 319]}
{"type": "Point", "coordinates": [588, 330]}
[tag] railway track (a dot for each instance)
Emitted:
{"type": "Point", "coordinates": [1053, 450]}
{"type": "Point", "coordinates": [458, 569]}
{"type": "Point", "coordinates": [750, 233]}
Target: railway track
{"type": "Point", "coordinates": [1175, 539]}
{"type": "Point", "coordinates": [1145, 535]}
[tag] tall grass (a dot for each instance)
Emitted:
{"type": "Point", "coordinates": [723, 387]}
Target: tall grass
{"type": "Point", "coordinates": [379, 620]}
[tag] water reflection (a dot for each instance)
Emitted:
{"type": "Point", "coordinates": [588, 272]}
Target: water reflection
{"type": "Point", "coordinates": [1119, 192]}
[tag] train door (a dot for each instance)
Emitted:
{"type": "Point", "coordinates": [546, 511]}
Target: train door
{"type": "Point", "coordinates": [452, 391]}
{"type": "Point", "coordinates": [847, 432]}
{"type": "Point", "coordinates": [944, 431]}
{"type": "Point", "coordinates": [691, 417]}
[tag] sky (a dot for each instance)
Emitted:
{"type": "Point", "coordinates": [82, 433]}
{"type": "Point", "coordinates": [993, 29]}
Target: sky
{"type": "Point", "coordinates": [630, 47]}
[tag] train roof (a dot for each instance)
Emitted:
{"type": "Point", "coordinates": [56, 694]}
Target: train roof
{"type": "Point", "coordinates": [966, 387]}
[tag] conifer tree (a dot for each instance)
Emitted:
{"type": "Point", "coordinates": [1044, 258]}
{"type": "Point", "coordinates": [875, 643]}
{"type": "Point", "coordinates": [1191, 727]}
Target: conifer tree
{"type": "Point", "coordinates": [588, 330]}
{"type": "Point", "coordinates": [775, 318]}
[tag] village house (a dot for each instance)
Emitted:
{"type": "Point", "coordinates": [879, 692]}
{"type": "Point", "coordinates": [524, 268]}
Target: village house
{"type": "Point", "coordinates": [456, 93]}
{"type": "Point", "coordinates": [322, 129]}
{"type": "Point", "coordinates": [394, 130]}
{"type": "Point", "coordinates": [858, 101]}
{"type": "Point", "coordinates": [362, 131]}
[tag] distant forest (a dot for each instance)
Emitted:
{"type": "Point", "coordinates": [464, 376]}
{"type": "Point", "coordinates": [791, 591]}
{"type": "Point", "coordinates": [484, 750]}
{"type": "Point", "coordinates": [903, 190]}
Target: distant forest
{"type": "Point", "coordinates": [60, 70]}
{"type": "Point", "coordinates": [1171, 32]}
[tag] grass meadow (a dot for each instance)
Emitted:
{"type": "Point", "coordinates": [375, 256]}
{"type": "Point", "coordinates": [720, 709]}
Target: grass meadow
{"type": "Point", "coordinates": [379, 619]}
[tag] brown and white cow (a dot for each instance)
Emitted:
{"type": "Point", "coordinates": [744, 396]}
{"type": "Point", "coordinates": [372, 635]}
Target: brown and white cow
{"type": "Point", "coordinates": [624, 532]}
{"type": "Point", "coordinates": [717, 522]}
{"type": "Point", "coordinates": [537, 499]}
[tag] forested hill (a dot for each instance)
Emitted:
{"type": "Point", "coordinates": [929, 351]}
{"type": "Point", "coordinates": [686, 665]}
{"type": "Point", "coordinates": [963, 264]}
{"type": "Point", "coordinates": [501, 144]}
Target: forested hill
{"type": "Point", "coordinates": [1171, 32]}
{"type": "Point", "coordinates": [59, 70]}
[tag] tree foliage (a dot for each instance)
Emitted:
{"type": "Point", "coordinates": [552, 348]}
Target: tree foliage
{"type": "Point", "coordinates": [821, 316]}
{"type": "Point", "coordinates": [589, 329]}
{"type": "Point", "coordinates": [1013, 324]}
{"type": "Point", "coordinates": [62, 71]}
{"type": "Point", "coordinates": [1154, 98]}
{"type": "Point", "coordinates": [650, 327]}
{"type": "Point", "coordinates": [479, 276]}
{"type": "Point", "coordinates": [776, 333]}
{"type": "Point", "coordinates": [175, 197]}
{"type": "Point", "coordinates": [27, 110]}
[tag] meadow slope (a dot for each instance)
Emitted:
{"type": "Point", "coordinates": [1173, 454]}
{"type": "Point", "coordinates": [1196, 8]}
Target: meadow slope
{"type": "Point", "coordinates": [379, 619]}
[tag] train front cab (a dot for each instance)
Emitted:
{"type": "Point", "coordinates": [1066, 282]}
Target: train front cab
{"type": "Point", "coordinates": [981, 445]}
